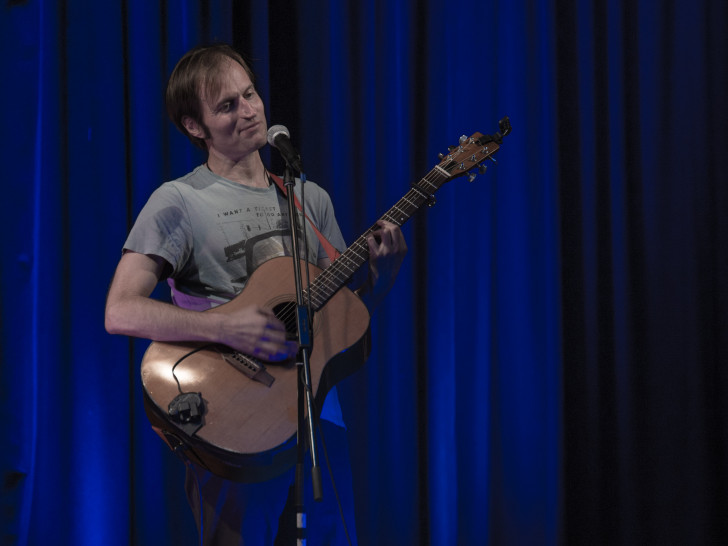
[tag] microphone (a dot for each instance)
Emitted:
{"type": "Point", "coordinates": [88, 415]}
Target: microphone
{"type": "Point", "coordinates": [279, 137]}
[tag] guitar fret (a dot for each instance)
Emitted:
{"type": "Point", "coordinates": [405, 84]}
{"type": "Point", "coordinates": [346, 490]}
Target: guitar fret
{"type": "Point", "coordinates": [407, 201]}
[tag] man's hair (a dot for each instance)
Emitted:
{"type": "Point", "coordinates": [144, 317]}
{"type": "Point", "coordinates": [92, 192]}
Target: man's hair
{"type": "Point", "coordinates": [198, 73]}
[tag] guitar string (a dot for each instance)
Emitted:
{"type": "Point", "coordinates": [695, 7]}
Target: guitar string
{"type": "Point", "coordinates": [360, 249]}
{"type": "Point", "coordinates": [361, 242]}
{"type": "Point", "coordinates": [324, 286]}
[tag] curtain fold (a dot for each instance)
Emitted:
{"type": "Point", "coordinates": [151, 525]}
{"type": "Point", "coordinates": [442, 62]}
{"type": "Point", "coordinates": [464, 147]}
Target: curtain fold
{"type": "Point", "coordinates": [549, 367]}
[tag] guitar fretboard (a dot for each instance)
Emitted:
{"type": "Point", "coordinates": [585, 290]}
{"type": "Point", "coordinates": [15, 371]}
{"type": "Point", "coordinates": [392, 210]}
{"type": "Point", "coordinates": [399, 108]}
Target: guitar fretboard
{"type": "Point", "coordinates": [343, 268]}
{"type": "Point", "coordinates": [470, 153]}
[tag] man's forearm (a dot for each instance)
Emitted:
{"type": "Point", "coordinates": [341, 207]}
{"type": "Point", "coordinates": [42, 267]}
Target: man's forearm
{"type": "Point", "coordinates": [143, 317]}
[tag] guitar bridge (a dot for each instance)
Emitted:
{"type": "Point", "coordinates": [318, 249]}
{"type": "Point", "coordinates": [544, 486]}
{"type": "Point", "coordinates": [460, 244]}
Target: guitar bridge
{"type": "Point", "coordinates": [250, 367]}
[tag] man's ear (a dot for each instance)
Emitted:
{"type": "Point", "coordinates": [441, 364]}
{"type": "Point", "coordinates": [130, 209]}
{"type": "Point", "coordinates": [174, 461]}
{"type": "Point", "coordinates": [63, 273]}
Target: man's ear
{"type": "Point", "coordinates": [193, 127]}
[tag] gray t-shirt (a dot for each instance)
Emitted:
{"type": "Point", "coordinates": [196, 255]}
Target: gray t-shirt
{"type": "Point", "coordinates": [215, 233]}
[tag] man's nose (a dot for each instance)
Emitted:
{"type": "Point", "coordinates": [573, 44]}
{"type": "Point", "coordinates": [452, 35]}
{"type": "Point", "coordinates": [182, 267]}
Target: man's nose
{"type": "Point", "coordinates": [245, 109]}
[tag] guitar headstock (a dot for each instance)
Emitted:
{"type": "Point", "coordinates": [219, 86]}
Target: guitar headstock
{"type": "Point", "coordinates": [472, 152]}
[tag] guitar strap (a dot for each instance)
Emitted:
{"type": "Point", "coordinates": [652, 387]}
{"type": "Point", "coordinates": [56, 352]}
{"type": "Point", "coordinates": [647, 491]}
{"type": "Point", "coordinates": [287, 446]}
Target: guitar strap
{"type": "Point", "coordinates": [328, 247]}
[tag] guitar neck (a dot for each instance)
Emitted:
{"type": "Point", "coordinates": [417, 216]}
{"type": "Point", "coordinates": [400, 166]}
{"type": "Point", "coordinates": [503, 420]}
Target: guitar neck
{"type": "Point", "coordinates": [470, 153]}
{"type": "Point", "coordinates": [343, 268]}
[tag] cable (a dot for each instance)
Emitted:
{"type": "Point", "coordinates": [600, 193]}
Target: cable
{"type": "Point", "coordinates": [206, 346]}
{"type": "Point", "coordinates": [333, 480]}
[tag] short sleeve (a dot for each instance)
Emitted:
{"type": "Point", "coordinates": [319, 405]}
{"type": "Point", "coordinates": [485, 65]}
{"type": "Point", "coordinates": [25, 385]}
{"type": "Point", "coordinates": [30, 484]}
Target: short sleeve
{"type": "Point", "coordinates": [163, 228]}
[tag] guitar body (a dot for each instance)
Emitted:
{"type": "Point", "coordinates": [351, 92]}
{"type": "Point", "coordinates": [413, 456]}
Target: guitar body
{"type": "Point", "coordinates": [248, 430]}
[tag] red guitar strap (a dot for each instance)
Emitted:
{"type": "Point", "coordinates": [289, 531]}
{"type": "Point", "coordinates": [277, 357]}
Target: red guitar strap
{"type": "Point", "coordinates": [328, 247]}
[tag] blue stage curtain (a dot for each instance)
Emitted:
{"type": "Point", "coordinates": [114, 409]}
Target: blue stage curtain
{"type": "Point", "coordinates": [549, 367]}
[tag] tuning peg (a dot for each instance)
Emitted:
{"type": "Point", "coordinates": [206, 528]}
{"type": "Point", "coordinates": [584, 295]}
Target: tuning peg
{"type": "Point", "coordinates": [471, 176]}
{"type": "Point", "coordinates": [482, 168]}
{"type": "Point", "coordinates": [463, 139]}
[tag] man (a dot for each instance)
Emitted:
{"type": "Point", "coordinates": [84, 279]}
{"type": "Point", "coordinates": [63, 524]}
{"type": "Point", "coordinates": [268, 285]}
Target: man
{"type": "Point", "coordinates": [205, 233]}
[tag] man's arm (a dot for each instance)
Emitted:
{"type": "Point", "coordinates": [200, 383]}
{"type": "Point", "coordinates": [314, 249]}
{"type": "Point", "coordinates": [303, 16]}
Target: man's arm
{"type": "Point", "coordinates": [130, 311]}
{"type": "Point", "coordinates": [387, 249]}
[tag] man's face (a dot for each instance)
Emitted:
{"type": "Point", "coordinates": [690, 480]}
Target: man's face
{"type": "Point", "coordinates": [235, 118]}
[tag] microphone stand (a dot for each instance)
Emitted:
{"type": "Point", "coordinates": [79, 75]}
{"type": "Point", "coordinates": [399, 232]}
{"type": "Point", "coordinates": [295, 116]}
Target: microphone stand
{"type": "Point", "coordinates": [305, 390]}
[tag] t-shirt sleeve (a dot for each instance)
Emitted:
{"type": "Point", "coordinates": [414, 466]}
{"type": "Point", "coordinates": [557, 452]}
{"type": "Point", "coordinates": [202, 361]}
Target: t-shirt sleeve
{"type": "Point", "coordinates": [327, 224]}
{"type": "Point", "coordinates": [163, 228]}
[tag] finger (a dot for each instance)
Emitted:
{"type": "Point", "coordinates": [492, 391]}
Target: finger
{"type": "Point", "coordinates": [380, 236]}
{"type": "Point", "coordinates": [267, 313]}
{"type": "Point", "coordinates": [390, 232]}
{"type": "Point", "coordinates": [372, 243]}
{"type": "Point", "coordinates": [274, 352]}
{"type": "Point", "coordinates": [272, 322]}
{"type": "Point", "coordinates": [275, 336]}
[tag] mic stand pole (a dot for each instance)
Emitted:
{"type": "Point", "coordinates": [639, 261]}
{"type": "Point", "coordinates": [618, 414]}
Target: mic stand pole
{"type": "Point", "coordinates": [305, 390]}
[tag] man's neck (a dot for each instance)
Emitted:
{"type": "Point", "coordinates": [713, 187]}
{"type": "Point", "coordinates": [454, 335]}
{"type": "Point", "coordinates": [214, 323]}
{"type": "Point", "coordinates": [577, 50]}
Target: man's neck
{"type": "Point", "coordinates": [248, 172]}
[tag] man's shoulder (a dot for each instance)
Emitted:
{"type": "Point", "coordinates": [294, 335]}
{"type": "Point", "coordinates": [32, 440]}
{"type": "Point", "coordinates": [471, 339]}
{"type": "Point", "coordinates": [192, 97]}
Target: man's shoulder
{"type": "Point", "coordinates": [314, 190]}
{"type": "Point", "coordinates": [197, 179]}
{"type": "Point", "coordinates": [173, 192]}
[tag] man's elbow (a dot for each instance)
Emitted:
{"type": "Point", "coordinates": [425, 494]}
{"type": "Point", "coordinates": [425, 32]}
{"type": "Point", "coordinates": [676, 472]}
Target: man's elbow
{"type": "Point", "coordinates": [113, 319]}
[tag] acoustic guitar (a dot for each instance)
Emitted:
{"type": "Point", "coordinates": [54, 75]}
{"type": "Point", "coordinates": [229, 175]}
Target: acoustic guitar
{"type": "Point", "coordinates": [236, 415]}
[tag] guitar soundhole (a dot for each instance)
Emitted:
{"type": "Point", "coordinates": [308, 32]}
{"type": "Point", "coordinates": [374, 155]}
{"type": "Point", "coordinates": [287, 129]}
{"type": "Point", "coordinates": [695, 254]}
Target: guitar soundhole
{"type": "Point", "coordinates": [286, 313]}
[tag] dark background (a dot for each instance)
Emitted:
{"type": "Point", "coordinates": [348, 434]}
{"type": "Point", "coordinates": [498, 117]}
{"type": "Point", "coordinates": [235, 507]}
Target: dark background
{"type": "Point", "coordinates": [550, 367]}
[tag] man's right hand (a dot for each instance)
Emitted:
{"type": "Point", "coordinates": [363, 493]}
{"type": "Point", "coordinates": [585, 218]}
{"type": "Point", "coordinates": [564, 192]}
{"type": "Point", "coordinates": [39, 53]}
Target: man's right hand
{"type": "Point", "coordinates": [257, 332]}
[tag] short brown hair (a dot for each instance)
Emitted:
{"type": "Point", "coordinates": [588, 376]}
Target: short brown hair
{"type": "Point", "coordinates": [199, 69]}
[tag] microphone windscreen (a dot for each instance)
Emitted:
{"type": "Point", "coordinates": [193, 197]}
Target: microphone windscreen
{"type": "Point", "coordinates": [276, 130]}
